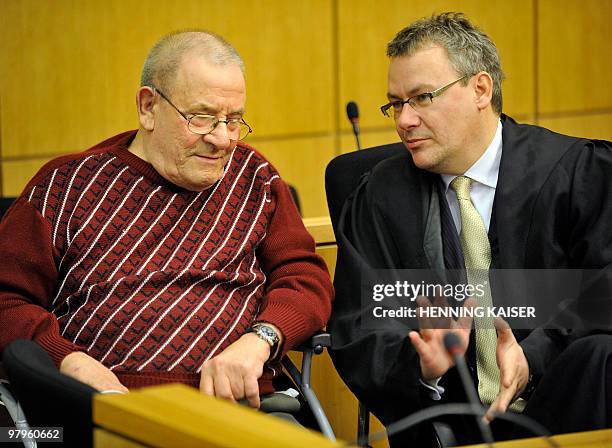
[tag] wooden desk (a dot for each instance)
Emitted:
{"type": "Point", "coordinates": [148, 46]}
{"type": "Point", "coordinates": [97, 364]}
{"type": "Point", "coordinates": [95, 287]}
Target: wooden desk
{"type": "Point", "coordinates": [180, 416]}
{"type": "Point", "coordinates": [587, 439]}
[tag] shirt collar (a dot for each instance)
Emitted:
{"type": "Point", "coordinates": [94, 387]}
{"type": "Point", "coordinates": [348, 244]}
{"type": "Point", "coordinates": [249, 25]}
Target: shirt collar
{"type": "Point", "coordinates": [486, 169]}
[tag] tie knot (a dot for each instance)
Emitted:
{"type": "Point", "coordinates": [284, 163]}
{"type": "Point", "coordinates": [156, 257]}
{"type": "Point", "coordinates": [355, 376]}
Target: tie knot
{"type": "Point", "coordinates": [462, 186]}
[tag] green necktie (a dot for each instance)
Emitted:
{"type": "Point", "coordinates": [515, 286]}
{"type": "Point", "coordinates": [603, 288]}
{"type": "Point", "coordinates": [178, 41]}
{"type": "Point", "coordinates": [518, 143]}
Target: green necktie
{"type": "Point", "coordinates": [477, 257]}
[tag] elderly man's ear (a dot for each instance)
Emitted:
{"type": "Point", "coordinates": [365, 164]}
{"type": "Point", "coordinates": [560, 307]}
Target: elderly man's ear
{"type": "Point", "coordinates": [145, 102]}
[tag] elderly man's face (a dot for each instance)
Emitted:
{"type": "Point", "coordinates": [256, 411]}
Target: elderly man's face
{"type": "Point", "coordinates": [192, 161]}
{"type": "Point", "coordinates": [437, 134]}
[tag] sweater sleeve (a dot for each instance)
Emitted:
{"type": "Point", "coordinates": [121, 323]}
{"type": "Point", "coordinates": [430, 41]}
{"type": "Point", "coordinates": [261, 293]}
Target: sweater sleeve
{"type": "Point", "coordinates": [298, 292]}
{"type": "Point", "coordinates": [28, 278]}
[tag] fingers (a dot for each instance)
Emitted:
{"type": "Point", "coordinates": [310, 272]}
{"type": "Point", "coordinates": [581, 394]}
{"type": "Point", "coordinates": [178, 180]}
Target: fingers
{"type": "Point", "coordinates": [207, 384]}
{"type": "Point", "coordinates": [507, 371]}
{"type": "Point", "coordinates": [88, 370]}
{"type": "Point", "coordinates": [507, 352]}
{"type": "Point", "coordinates": [425, 322]}
{"type": "Point", "coordinates": [119, 387]}
{"type": "Point", "coordinates": [217, 384]}
{"type": "Point", "coordinates": [423, 347]}
{"type": "Point", "coordinates": [231, 379]}
{"type": "Point", "coordinates": [223, 388]}
{"type": "Point", "coordinates": [505, 337]}
{"type": "Point", "coordinates": [503, 329]}
{"type": "Point", "coordinates": [442, 303]}
{"type": "Point", "coordinates": [236, 383]}
{"type": "Point", "coordinates": [251, 391]}
{"type": "Point", "coordinates": [500, 404]}
{"type": "Point", "coordinates": [465, 322]}
{"type": "Point", "coordinates": [419, 344]}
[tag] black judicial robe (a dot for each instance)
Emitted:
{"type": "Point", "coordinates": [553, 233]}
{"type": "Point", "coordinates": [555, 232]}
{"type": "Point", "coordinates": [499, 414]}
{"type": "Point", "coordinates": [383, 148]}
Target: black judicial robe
{"type": "Point", "coordinates": [552, 209]}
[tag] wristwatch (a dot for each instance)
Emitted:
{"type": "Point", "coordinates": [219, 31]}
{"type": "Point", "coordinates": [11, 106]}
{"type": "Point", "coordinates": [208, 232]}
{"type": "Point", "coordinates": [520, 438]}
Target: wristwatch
{"type": "Point", "coordinates": [268, 334]}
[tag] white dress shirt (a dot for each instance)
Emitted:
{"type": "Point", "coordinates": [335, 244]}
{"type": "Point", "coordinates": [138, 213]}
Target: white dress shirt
{"type": "Point", "coordinates": [484, 173]}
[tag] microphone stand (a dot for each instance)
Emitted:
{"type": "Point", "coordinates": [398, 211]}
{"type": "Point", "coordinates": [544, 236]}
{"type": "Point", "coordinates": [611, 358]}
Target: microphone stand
{"type": "Point", "coordinates": [452, 345]}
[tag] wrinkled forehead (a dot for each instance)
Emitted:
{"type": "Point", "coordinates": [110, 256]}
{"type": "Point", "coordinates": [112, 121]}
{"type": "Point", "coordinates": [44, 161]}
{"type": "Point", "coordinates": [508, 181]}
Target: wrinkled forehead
{"type": "Point", "coordinates": [200, 79]}
{"type": "Point", "coordinates": [196, 68]}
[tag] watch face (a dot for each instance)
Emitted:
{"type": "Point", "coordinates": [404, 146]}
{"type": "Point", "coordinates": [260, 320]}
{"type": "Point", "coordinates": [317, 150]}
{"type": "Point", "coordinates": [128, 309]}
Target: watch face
{"type": "Point", "coordinates": [268, 332]}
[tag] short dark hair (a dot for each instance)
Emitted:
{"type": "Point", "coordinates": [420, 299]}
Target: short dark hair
{"type": "Point", "coordinates": [469, 49]}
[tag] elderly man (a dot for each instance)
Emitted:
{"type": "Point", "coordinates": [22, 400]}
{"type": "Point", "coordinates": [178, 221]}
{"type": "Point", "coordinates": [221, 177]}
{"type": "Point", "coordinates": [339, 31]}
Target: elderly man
{"type": "Point", "coordinates": [169, 254]}
{"type": "Point", "coordinates": [478, 191]}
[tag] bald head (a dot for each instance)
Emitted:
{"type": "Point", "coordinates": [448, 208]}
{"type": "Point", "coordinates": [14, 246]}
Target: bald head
{"type": "Point", "coordinates": [164, 59]}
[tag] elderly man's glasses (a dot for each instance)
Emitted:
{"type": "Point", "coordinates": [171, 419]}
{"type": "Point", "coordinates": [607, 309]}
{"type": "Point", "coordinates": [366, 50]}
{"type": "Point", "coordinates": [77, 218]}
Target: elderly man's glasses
{"type": "Point", "coordinates": [419, 101]}
{"type": "Point", "coordinates": [204, 124]}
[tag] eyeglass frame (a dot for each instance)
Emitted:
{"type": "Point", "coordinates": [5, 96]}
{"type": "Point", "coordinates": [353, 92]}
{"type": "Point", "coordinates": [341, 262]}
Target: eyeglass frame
{"type": "Point", "coordinates": [433, 94]}
{"type": "Point", "coordinates": [191, 116]}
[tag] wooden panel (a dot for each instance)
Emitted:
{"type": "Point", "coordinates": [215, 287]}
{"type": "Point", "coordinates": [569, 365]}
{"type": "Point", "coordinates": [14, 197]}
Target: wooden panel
{"type": "Point", "coordinates": [369, 138]}
{"type": "Point", "coordinates": [177, 415]}
{"type": "Point", "coordinates": [589, 126]}
{"type": "Point", "coordinates": [574, 51]}
{"type": "Point", "coordinates": [302, 162]}
{"type": "Point", "coordinates": [16, 174]}
{"type": "Point", "coordinates": [366, 26]}
{"type": "Point", "coordinates": [70, 69]}
{"type": "Point", "coordinates": [329, 255]}
{"type": "Point", "coordinates": [321, 230]}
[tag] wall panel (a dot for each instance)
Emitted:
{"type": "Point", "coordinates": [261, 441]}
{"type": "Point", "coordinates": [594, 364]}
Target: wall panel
{"type": "Point", "coordinates": [302, 163]}
{"type": "Point", "coordinates": [590, 126]}
{"type": "Point", "coordinates": [17, 173]}
{"type": "Point", "coordinates": [574, 51]}
{"type": "Point", "coordinates": [74, 66]}
{"type": "Point", "coordinates": [369, 138]}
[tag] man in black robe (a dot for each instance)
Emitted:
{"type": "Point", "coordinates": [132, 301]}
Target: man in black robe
{"type": "Point", "coordinates": [544, 201]}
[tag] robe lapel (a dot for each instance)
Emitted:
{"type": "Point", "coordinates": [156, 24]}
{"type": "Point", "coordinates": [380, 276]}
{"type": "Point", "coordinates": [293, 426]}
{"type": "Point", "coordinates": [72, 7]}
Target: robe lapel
{"type": "Point", "coordinates": [522, 173]}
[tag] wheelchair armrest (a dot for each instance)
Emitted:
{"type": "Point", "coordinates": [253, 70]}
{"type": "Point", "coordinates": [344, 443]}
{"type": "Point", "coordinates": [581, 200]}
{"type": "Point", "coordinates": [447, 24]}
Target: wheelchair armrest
{"type": "Point", "coordinates": [316, 343]}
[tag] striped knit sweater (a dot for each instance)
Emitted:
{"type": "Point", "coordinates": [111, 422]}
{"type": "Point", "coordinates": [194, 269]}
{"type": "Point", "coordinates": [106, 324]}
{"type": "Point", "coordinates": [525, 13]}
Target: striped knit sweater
{"type": "Point", "coordinates": [102, 254]}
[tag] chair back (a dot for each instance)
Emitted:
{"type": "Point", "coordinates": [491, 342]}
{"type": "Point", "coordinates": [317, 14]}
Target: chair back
{"type": "Point", "coordinates": [342, 177]}
{"type": "Point", "coordinates": [343, 173]}
{"type": "Point", "coordinates": [49, 398]}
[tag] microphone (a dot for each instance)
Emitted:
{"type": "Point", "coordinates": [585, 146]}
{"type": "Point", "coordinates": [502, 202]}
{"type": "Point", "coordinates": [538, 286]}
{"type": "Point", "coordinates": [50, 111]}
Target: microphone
{"type": "Point", "coordinates": [352, 112]}
{"type": "Point", "coordinates": [452, 344]}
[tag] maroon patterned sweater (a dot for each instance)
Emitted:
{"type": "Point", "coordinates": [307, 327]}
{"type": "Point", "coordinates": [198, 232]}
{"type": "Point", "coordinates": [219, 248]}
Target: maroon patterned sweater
{"type": "Point", "coordinates": [102, 254]}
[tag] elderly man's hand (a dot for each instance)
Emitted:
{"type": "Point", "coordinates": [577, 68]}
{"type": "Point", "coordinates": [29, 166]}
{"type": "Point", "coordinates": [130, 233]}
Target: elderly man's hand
{"type": "Point", "coordinates": [86, 369]}
{"type": "Point", "coordinates": [233, 373]}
